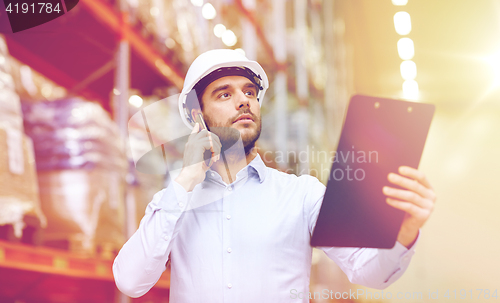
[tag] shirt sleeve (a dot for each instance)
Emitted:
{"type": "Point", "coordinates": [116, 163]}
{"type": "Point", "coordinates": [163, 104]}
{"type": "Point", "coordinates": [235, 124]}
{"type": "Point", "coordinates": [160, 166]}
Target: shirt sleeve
{"type": "Point", "coordinates": [142, 259]}
{"type": "Point", "coordinates": [370, 267]}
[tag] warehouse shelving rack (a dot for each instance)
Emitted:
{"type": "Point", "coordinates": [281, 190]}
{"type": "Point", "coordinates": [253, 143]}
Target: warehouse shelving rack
{"type": "Point", "coordinates": [78, 52]}
{"type": "Point", "coordinates": [41, 274]}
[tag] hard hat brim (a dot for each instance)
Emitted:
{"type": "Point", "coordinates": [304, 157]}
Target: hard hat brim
{"type": "Point", "coordinates": [252, 65]}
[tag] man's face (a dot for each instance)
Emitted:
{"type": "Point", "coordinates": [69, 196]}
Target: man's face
{"type": "Point", "coordinates": [232, 102]}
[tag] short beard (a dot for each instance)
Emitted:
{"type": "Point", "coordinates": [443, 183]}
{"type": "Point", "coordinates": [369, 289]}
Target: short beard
{"type": "Point", "coordinates": [249, 143]}
{"type": "Point", "coordinates": [229, 136]}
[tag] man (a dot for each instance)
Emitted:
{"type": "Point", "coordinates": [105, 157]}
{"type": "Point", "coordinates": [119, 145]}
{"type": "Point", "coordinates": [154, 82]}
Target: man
{"type": "Point", "coordinates": [236, 230]}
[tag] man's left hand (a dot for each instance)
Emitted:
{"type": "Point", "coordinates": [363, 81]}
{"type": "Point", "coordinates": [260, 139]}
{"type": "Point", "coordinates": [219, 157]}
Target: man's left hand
{"type": "Point", "coordinates": [417, 201]}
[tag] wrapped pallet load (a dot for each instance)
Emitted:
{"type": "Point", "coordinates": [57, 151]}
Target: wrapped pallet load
{"type": "Point", "coordinates": [19, 201]}
{"type": "Point", "coordinates": [81, 164]}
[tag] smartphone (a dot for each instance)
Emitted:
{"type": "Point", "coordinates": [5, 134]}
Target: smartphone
{"type": "Point", "coordinates": [201, 121]}
{"type": "Point", "coordinates": [207, 155]}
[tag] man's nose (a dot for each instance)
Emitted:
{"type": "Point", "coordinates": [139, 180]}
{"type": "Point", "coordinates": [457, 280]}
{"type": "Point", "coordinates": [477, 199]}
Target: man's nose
{"type": "Point", "coordinates": [242, 100]}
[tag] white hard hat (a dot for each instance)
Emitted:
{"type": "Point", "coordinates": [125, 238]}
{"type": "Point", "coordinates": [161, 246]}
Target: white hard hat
{"type": "Point", "coordinates": [217, 60]}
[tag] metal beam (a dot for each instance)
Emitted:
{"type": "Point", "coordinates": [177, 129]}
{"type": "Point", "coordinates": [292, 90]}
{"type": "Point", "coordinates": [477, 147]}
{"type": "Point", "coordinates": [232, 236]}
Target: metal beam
{"type": "Point", "coordinates": [50, 71]}
{"type": "Point", "coordinates": [113, 20]}
{"type": "Point", "coordinates": [260, 33]}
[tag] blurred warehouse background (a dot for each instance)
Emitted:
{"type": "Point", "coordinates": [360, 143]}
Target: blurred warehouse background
{"type": "Point", "coordinates": [70, 194]}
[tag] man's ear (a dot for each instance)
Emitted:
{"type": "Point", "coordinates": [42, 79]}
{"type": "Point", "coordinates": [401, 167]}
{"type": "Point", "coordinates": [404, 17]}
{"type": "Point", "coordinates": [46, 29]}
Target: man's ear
{"type": "Point", "coordinates": [194, 113]}
{"type": "Point", "coordinates": [193, 103]}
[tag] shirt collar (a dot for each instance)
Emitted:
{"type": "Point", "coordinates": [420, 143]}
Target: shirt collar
{"type": "Point", "coordinates": [258, 167]}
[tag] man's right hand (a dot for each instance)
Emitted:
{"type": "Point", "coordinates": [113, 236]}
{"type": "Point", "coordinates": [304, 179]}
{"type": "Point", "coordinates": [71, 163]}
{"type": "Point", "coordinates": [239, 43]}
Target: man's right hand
{"type": "Point", "coordinates": [194, 167]}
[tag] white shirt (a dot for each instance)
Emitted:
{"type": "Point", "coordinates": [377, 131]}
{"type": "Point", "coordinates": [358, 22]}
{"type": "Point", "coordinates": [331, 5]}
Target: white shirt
{"type": "Point", "coordinates": [243, 242]}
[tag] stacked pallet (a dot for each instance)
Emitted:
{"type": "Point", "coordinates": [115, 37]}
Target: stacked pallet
{"type": "Point", "coordinates": [19, 201]}
{"type": "Point", "coordinates": [82, 167]}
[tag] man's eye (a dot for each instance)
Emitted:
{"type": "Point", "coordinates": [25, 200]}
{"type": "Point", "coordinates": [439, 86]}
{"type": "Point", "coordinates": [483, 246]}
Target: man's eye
{"type": "Point", "coordinates": [250, 93]}
{"type": "Point", "coordinates": [224, 95]}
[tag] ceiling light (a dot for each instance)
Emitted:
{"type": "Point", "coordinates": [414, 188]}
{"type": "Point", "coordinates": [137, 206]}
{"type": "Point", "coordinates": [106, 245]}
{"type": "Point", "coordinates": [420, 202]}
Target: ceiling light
{"type": "Point", "coordinates": [402, 23]}
{"type": "Point", "coordinates": [410, 90]}
{"type": "Point", "coordinates": [208, 11]}
{"type": "Point", "coordinates": [408, 70]}
{"type": "Point", "coordinates": [406, 49]}
{"type": "Point", "coordinates": [197, 2]}
{"type": "Point", "coordinates": [229, 38]}
{"type": "Point", "coordinates": [135, 101]}
{"type": "Point", "coordinates": [219, 29]}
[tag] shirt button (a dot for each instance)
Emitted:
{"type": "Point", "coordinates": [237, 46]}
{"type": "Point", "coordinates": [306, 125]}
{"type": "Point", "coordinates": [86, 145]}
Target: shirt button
{"type": "Point", "coordinates": [230, 188]}
{"type": "Point", "coordinates": [229, 249]}
{"type": "Point", "coordinates": [181, 204]}
{"type": "Point", "coordinates": [228, 217]}
{"type": "Point", "coordinates": [406, 258]}
{"type": "Point", "coordinates": [212, 174]}
{"type": "Point", "coordinates": [165, 238]}
{"type": "Point", "coordinates": [229, 285]}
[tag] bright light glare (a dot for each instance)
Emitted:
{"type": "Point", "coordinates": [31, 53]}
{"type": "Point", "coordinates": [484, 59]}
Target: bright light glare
{"type": "Point", "coordinates": [197, 2]}
{"type": "Point", "coordinates": [410, 89]}
{"type": "Point", "coordinates": [399, 2]}
{"type": "Point", "coordinates": [208, 11]}
{"type": "Point", "coordinates": [170, 43]}
{"type": "Point", "coordinates": [219, 30]}
{"type": "Point", "coordinates": [408, 70]}
{"type": "Point", "coordinates": [402, 23]}
{"type": "Point", "coordinates": [154, 11]}
{"type": "Point", "coordinates": [229, 38]}
{"type": "Point", "coordinates": [456, 164]}
{"type": "Point", "coordinates": [406, 50]}
{"type": "Point", "coordinates": [46, 90]}
{"type": "Point", "coordinates": [494, 62]}
{"type": "Point", "coordinates": [135, 101]}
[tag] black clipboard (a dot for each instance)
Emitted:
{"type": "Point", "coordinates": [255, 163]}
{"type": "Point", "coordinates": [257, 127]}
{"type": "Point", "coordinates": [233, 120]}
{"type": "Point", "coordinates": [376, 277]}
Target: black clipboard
{"type": "Point", "coordinates": [378, 136]}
